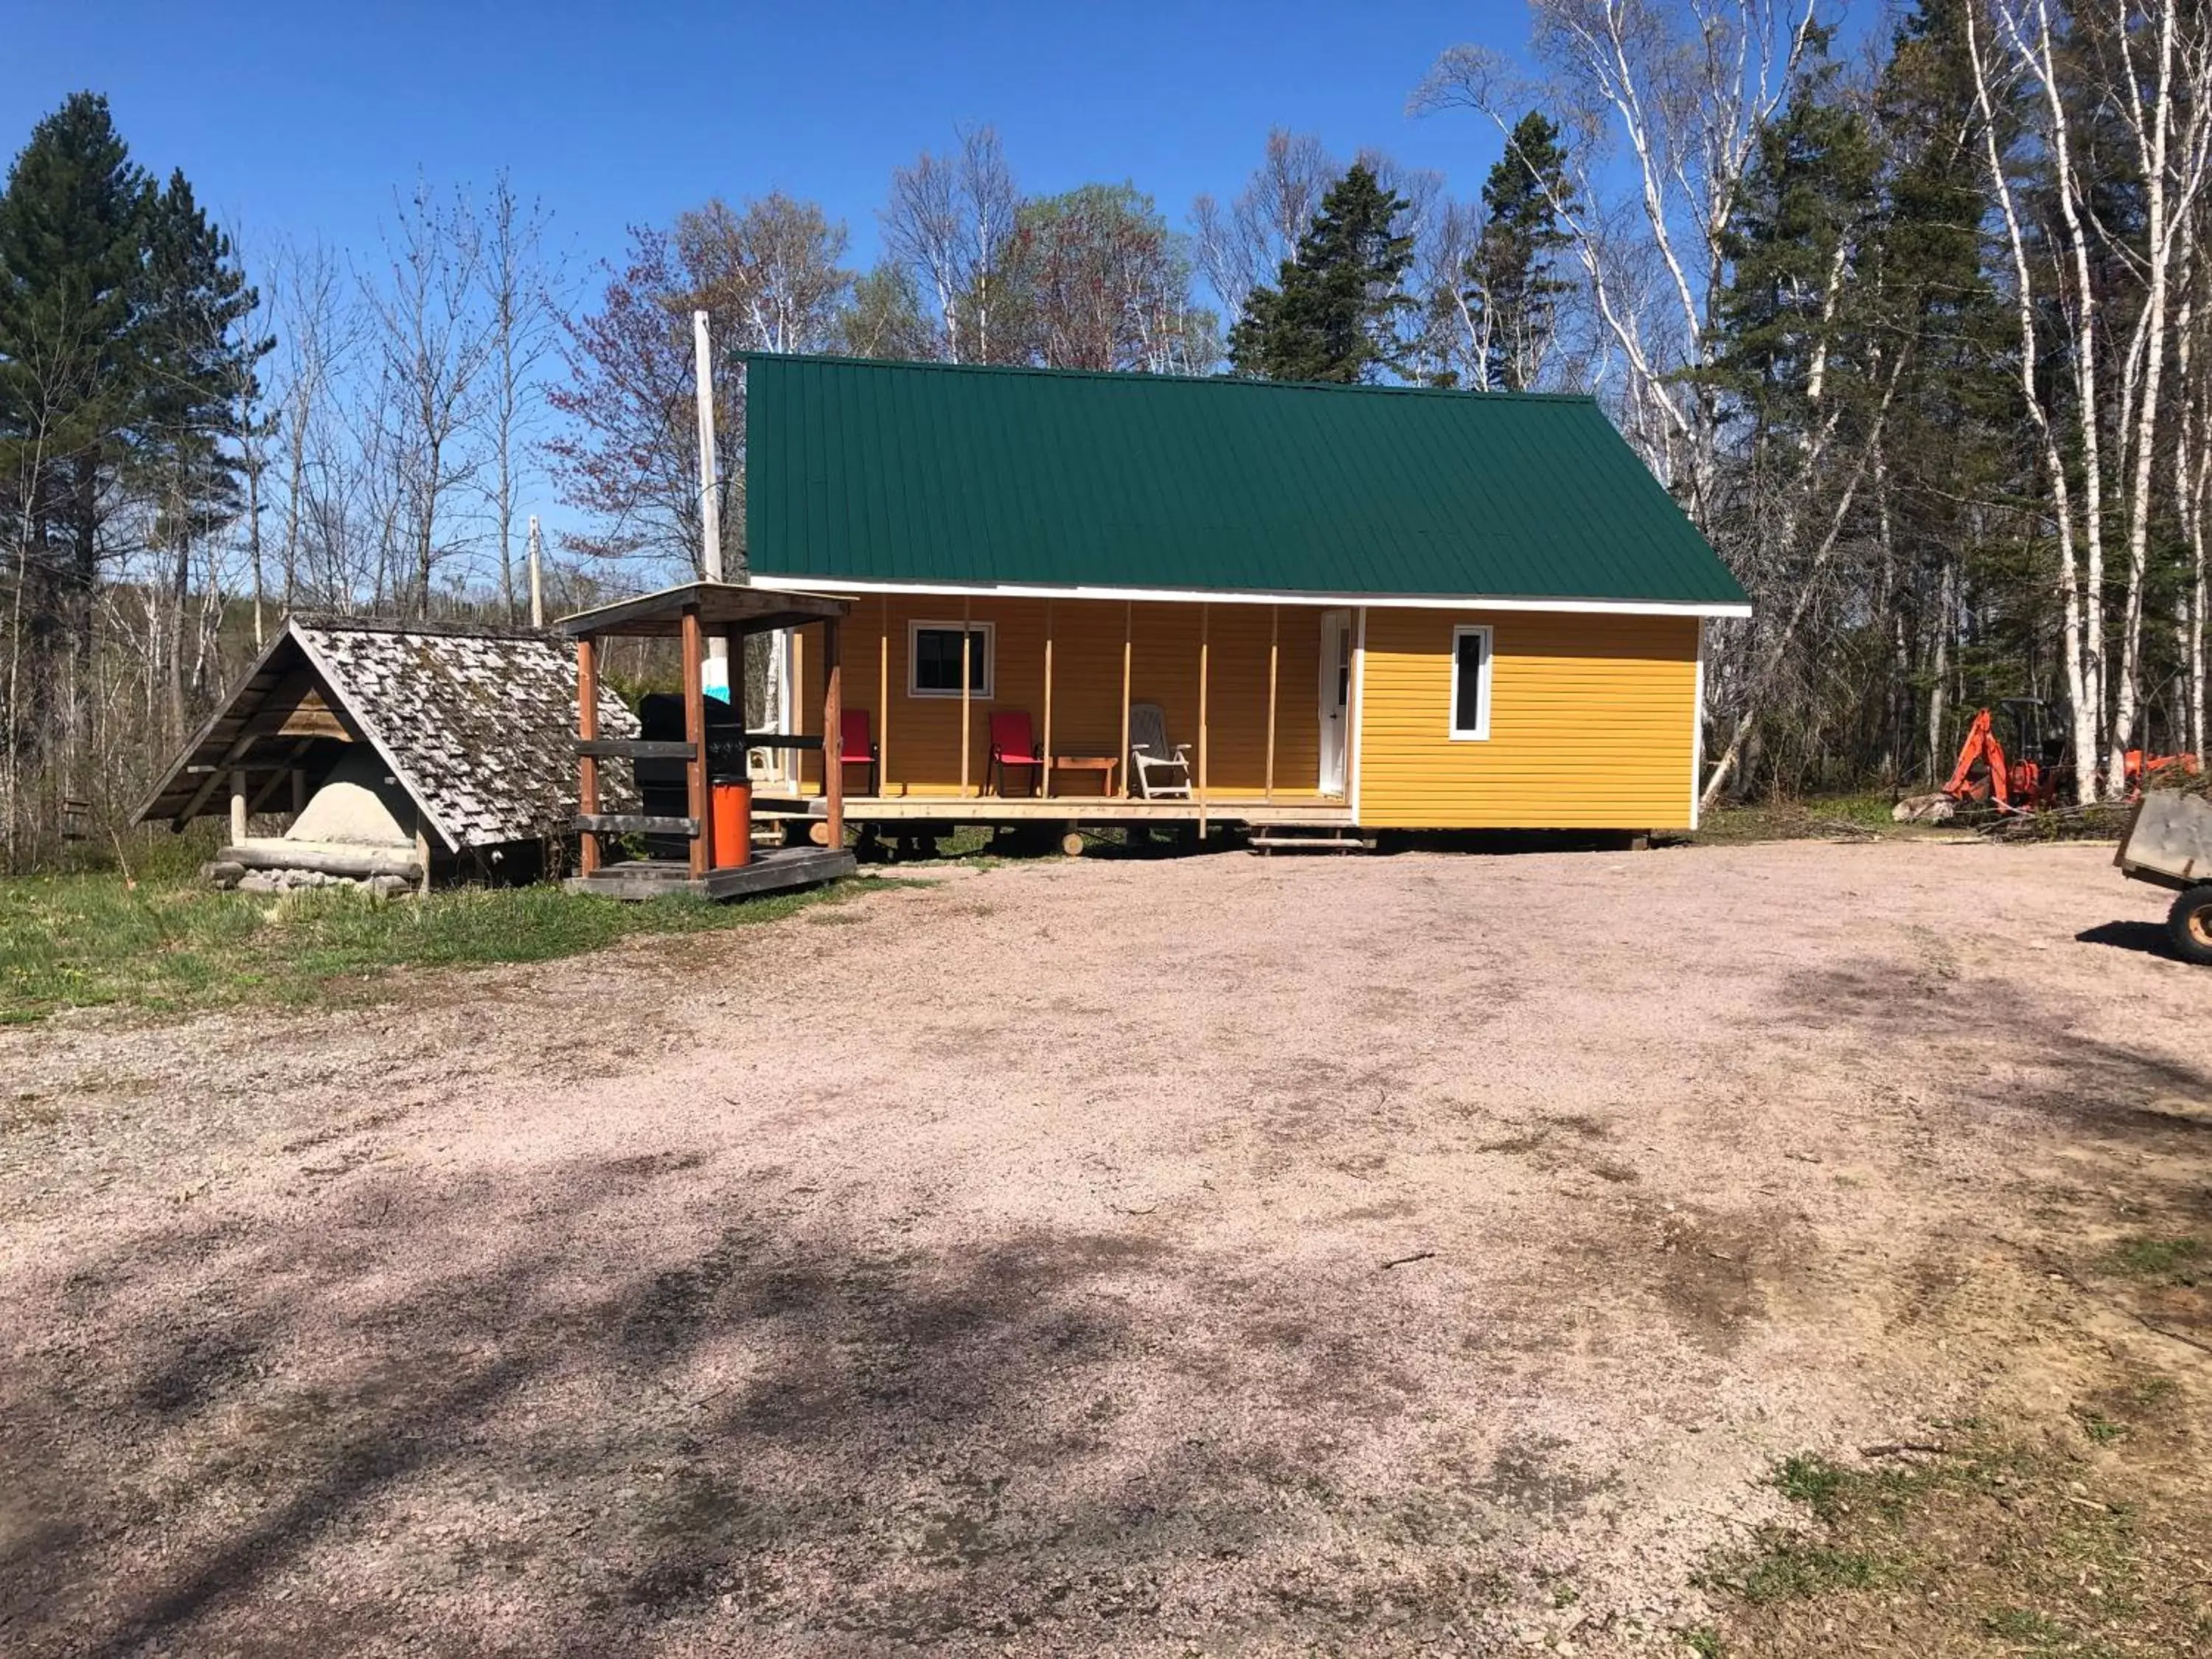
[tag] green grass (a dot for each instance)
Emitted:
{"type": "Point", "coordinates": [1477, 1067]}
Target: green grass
{"type": "Point", "coordinates": [2175, 1261]}
{"type": "Point", "coordinates": [1817, 817]}
{"type": "Point", "coordinates": [91, 940]}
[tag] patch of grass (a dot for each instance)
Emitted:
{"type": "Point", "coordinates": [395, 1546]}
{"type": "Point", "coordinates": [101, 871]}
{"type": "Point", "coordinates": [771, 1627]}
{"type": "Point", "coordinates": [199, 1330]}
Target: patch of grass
{"type": "Point", "coordinates": [2174, 1260]}
{"type": "Point", "coordinates": [1705, 1643]}
{"type": "Point", "coordinates": [90, 941]}
{"type": "Point", "coordinates": [1812, 1481]}
{"type": "Point", "coordinates": [1999, 1539]}
{"type": "Point", "coordinates": [1815, 819]}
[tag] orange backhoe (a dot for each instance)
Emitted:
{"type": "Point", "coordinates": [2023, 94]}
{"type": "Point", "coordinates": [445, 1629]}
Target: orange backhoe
{"type": "Point", "coordinates": [2033, 777]}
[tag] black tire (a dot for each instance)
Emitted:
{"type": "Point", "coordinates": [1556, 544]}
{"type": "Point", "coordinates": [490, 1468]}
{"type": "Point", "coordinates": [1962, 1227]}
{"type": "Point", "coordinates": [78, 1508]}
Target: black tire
{"type": "Point", "coordinates": [2189, 925]}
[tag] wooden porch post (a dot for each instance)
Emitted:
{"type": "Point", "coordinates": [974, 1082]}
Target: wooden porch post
{"type": "Point", "coordinates": [1044, 772]}
{"type": "Point", "coordinates": [1128, 610]}
{"type": "Point", "coordinates": [884, 702]}
{"type": "Point", "coordinates": [588, 728]}
{"type": "Point", "coordinates": [695, 733]}
{"type": "Point", "coordinates": [1275, 659]}
{"type": "Point", "coordinates": [237, 803]}
{"type": "Point", "coordinates": [967, 679]}
{"type": "Point", "coordinates": [1205, 650]}
{"type": "Point", "coordinates": [833, 727]}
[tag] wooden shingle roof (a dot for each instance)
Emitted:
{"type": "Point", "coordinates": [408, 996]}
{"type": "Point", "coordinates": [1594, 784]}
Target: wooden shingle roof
{"type": "Point", "coordinates": [477, 724]}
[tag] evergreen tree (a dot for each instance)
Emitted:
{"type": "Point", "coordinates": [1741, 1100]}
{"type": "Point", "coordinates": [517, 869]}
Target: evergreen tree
{"type": "Point", "coordinates": [1333, 313]}
{"type": "Point", "coordinates": [1512, 290]}
{"type": "Point", "coordinates": [198, 378]}
{"type": "Point", "coordinates": [72, 230]}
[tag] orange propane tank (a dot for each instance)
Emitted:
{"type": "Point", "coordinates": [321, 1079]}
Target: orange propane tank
{"type": "Point", "coordinates": [733, 825]}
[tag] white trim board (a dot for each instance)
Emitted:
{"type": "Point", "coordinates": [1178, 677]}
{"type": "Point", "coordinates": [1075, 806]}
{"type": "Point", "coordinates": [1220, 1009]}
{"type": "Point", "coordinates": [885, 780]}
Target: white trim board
{"type": "Point", "coordinates": [1697, 735]}
{"type": "Point", "coordinates": [778, 584]}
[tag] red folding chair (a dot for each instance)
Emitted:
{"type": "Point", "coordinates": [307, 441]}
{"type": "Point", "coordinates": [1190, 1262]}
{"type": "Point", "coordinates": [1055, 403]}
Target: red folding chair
{"type": "Point", "coordinates": [857, 747]}
{"type": "Point", "coordinates": [1014, 743]}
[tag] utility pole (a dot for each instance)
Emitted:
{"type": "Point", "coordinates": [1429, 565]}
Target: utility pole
{"type": "Point", "coordinates": [715, 670]}
{"type": "Point", "coordinates": [537, 578]}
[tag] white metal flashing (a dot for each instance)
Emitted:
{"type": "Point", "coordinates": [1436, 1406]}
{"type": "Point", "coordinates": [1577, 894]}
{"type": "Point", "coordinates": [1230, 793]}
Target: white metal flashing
{"type": "Point", "coordinates": [780, 584]}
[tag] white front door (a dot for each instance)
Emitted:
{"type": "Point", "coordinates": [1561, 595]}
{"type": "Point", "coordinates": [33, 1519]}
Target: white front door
{"type": "Point", "coordinates": [1336, 697]}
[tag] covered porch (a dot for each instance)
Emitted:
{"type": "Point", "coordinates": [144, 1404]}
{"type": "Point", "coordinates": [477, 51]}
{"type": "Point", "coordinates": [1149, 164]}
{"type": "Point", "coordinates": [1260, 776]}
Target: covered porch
{"type": "Point", "coordinates": [993, 708]}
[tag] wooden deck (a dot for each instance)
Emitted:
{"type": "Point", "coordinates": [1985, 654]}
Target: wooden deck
{"type": "Point", "coordinates": [769, 872]}
{"type": "Point", "coordinates": [1094, 810]}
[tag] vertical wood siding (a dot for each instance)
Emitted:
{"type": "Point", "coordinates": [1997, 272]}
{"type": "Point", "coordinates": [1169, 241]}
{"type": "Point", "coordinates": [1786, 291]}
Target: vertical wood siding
{"type": "Point", "coordinates": [1593, 723]}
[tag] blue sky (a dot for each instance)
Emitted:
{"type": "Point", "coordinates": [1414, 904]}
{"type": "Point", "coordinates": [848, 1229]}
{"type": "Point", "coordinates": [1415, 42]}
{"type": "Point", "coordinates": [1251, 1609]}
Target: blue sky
{"type": "Point", "coordinates": [300, 118]}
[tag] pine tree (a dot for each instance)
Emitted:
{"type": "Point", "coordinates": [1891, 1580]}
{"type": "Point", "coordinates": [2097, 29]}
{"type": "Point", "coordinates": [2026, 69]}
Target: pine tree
{"type": "Point", "coordinates": [197, 374]}
{"type": "Point", "coordinates": [1512, 290]}
{"type": "Point", "coordinates": [72, 226]}
{"type": "Point", "coordinates": [1333, 313]}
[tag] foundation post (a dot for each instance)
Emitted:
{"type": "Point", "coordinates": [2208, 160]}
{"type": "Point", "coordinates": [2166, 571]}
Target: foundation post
{"type": "Point", "coordinates": [237, 803]}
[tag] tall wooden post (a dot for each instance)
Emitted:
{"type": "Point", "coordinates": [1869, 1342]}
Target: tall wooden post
{"type": "Point", "coordinates": [695, 733]}
{"type": "Point", "coordinates": [588, 728]}
{"type": "Point", "coordinates": [967, 679]}
{"type": "Point", "coordinates": [1204, 649]}
{"type": "Point", "coordinates": [1128, 610]}
{"type": "Point", "coordinates": [832, 730]}
{"type": "Point", "coordinates": [1044, 772]}
{"type": "Point", "coordinates": [1275, 661]}
{"type": "Point", "coordinates": [884, 702]}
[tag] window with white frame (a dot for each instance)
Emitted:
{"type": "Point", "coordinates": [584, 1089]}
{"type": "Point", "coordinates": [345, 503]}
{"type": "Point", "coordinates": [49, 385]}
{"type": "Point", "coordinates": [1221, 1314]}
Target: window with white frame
{"type": "Point", "coordinates": [1470, 684]}
{"type": "Point", "coordinates": [933, 657]}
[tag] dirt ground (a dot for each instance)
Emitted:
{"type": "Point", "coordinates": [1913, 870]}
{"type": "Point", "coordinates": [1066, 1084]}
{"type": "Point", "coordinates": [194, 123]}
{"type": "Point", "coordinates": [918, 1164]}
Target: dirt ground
{"type": "Point", "coordinates": [1219, 1255]}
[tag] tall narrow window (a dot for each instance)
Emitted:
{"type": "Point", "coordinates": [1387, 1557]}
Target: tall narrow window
{"type": "Point", "coordinates": [1470, 687]}
{"type": "Point", "coordinates": [933, 660]}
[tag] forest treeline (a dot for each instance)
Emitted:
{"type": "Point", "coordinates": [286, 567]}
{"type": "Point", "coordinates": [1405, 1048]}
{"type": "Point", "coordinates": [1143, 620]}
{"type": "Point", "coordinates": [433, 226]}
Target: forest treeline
{"type": "Point", "coordinates": [1909, 312]}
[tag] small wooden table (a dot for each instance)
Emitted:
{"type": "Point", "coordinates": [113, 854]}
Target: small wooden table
{"type": "Point", "coordinates": [1102, 764]}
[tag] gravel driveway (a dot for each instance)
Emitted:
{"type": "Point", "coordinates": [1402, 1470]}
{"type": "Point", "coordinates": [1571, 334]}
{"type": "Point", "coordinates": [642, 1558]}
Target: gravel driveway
{"type": "Point", "coordinates": [1216, 1255]}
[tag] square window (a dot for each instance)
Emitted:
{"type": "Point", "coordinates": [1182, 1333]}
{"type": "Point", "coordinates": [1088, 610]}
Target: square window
{"type": "Point", "coordinates": [933, 660]}
{"type": "Point", "coordinates": [1470, 687]}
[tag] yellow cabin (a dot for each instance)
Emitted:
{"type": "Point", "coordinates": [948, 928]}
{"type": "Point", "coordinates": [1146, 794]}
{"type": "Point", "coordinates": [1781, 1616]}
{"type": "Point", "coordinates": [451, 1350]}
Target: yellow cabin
{"type": "Point", "coordinates": [1106, 599]}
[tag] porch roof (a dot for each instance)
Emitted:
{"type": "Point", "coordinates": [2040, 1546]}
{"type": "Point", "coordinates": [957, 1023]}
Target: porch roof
{"type": "Point", "coordinates": [720, 605]}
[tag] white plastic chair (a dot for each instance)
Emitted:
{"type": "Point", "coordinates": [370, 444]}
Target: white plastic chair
{"type": "Point", "coordinates": [1160, 770]}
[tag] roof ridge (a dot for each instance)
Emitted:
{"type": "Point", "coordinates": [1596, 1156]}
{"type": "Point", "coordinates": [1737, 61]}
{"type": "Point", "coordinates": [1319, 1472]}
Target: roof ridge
{"type": "Point", "coordinates": [1147, 375]}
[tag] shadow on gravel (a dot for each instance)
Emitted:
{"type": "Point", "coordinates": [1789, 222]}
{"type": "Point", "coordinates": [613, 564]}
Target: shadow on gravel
{"type": "Point", "coordinates": [391, 1426]}
{"type": "Point", "coordinates": [2146, 937]}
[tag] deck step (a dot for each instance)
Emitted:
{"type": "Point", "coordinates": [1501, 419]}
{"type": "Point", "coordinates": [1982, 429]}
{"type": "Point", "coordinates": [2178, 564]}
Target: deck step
{"type": "Point", "coordinates": [1296, 840]}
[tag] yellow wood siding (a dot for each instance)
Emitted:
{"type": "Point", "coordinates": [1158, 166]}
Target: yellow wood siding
{"type": "Point", "coordinates": [1593, 723]}
{"type": "Point", "coordinates": [921, 736]}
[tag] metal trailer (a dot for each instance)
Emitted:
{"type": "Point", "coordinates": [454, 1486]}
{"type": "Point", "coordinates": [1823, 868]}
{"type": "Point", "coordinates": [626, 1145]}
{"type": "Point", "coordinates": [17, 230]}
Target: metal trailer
{"type": "Point", "coordinates": [2168, 842]}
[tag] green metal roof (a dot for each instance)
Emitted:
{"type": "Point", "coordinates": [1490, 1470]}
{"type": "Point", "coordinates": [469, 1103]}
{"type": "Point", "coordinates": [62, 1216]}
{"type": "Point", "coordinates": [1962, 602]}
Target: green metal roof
{"type": "Point", "coordinates": [936, 473]}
